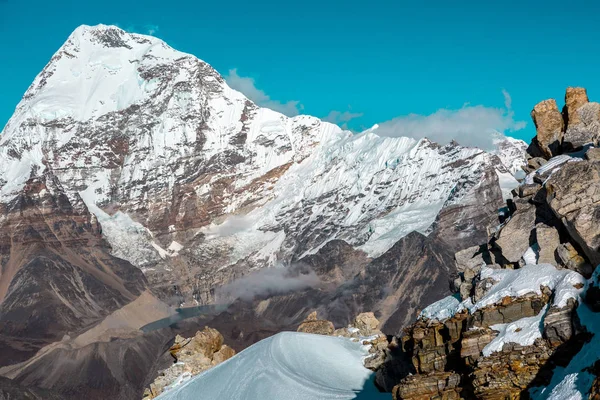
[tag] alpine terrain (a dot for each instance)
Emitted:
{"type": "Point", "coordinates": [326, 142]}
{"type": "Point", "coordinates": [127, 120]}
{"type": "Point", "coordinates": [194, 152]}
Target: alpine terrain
{"type": "Point", "coordinates": [142, 199]}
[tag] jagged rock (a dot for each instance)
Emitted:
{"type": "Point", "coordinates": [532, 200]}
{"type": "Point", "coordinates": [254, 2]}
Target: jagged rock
{"type": "Point", "coordinates": [505, 374]}
{"type": "Point", "coordinates": [439, 386]}
{"type": "Point", "coordinates": [528, 190]}
{"type": "Point", "coordinates": [366, 323]}
{"type": "Point", "coordinates": [569, 258]}
{"type": "Point", "coordinates": [513, 239]}
{"type": "Point", "coordinates": [593, 154]}
{"type": "Point", "coordinates": [549, 124]}
{"type": "Point", "coordinates": [364, 328]}
{"type": "Point", "coordinates": [317, 326]}
{"type": "Point", "coordinates": [192, 356]}
{"type": "Point", "coordinates": [575, 97]}
{"type": "Point", "coordinates": [582, 119]}
{"type": "Point", "coordinates": [560, 324]}
{"type": "Point", "coordinates": [465, 290]}
{"type": "Point", "coordinates": [574, 196]}
{"type": "Point", "coordinates": [474, 341]}
{"type": "Point", "coordinates": [535, 163]}
{"type": "Point", "coordinates": [548, 240]}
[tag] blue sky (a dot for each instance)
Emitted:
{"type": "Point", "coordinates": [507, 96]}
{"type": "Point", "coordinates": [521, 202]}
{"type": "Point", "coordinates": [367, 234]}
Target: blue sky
{"type": "Point", "coordinates": [354, 62]}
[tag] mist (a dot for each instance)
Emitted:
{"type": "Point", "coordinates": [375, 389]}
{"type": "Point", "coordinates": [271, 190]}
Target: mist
{"type": "Point", "coordinates": [267, 282]}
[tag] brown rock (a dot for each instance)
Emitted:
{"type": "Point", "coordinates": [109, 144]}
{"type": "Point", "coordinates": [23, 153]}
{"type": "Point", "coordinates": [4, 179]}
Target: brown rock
{"type": "Point", "coordinates": [316, 326]}
{"type": "Point", "coordinates": [439, 385]}
{"type": "Point", "coordinates": [574, 98]}
{"type": "Point", "coordinates": [549, 124]}
{"type": "Point", "coordinates": [366, 323]}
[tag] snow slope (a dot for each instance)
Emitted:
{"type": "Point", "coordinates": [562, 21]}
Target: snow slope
{"type": "Point", "coordinates": [287, 366]}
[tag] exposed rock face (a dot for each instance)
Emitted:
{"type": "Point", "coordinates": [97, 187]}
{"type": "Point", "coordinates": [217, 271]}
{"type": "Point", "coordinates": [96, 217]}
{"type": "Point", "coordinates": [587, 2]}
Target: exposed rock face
{"type": "Point", "coordinates": [469, 223]}
{"type": "Point", "coordinates": [504, 339]}
{"type": "Point", "coordinates": [57, 274]}
{"type": "Point", "coordinates": [191, 357]}
{"type": "Point", "coordinates": [550, 127]}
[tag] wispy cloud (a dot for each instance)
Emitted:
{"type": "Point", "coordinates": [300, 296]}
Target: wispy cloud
{"type": "Point", "coordinates": [247, 86]}
{"type": "Point", "coordinates": [469, 125]}
{"type": "Point", "coordinates": [342, 118]}
{"type": "Point", "coordinates": [148, 29]}
{"type": "Point", "coordinates": [151, 29]}
{"type": "Point", "coordinates": [267, 282]}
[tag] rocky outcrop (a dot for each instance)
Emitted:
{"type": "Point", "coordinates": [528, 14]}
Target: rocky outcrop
{"type": "Point", "coordinates": [317, 326]}
{"type": "Point", "coordinates": [364, 329]}
{"type": "Point", "coordinates": [550, 127]}
{"type": "Point", "coordinates": [508, 325]}
{"type": "Point", "coordinates": [578, 126]}
{"type": "Point", "coordinates": [582, 119]}
{"type": "Point", "coordinates": [191, 357]}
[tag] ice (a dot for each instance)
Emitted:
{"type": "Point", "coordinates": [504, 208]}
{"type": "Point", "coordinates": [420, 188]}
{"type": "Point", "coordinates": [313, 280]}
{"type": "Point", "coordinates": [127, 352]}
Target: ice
{"type": "Point", "coordinates": [287, 366]}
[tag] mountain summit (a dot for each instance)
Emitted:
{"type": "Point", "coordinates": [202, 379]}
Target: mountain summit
{"type": "Point", "coordinates": [201, 190]}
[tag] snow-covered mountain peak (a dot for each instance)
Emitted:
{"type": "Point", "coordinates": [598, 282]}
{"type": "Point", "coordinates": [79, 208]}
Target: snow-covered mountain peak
{"type": "Point", "coordinates": [163, 151]}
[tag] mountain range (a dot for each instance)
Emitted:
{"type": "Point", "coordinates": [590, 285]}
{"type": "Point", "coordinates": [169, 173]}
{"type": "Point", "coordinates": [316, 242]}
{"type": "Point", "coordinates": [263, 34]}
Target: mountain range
{"type": "Point", "coordinates": [133, 179]}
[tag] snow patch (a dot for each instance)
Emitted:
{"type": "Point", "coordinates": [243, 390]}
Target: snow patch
{"type": "Point", "coordinates": [287, 366]}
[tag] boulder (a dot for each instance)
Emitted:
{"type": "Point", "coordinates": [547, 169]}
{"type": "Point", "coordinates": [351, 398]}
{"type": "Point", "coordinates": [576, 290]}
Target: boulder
{"type": "Point", "coordinates": [548, 240]}
{"type": "Point", "coordinates": [191, 357]}
{"type": "Point", "coordinates": [582, 119]}
{"type": "Point", "coordinates": [316, 326]}
{"type": "Point", "coordinates": [549, 125]}
{"type": "Point", "coordinates": [366, 323]}
{"type": "Point", "coordinates": [575, 97]}
{"type": "Point", "coordinates": [573, 193]}
{"type": "Point", "coordinates": [513, 239]}
{"type": "Point", "coordinates": [535, 163]}
{"type": "Point", "coordinates": [569, 258]}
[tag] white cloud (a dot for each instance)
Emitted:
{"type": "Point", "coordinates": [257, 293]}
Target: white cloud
{"type": "Point", "coordinates": [342, 118]}
{"type": "Point", "coordinates": [247, 86]}
{"type": "Point", "coordinates": [151, 29]}
{"type": "Point", "coordinates": [469, 125]}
